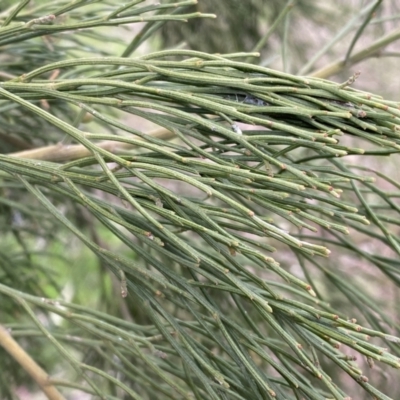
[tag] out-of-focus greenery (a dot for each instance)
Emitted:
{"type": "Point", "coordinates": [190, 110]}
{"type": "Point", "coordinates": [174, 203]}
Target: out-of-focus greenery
{"type": "Point", "coordinates": [248, 248]}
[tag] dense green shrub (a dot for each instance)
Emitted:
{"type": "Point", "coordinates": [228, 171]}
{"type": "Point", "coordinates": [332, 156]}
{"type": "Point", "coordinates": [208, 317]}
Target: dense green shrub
{"type": "Point", "coordinates": [243, 223]}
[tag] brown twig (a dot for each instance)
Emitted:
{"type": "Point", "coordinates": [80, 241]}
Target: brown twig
{"type": "Point", "coordinates": [62, 153]}
{"type": "Point", "coordinates": [29, 365]}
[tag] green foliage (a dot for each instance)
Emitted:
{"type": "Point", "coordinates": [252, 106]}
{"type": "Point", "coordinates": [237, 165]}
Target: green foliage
{"type": "Point", "coordinates": [236, 247]}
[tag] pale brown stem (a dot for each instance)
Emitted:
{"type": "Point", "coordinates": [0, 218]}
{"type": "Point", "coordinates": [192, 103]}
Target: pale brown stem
{"type": "Point", "coordinates": [29, 365]}
{"type": "Point", "coordinates": [63, 153]}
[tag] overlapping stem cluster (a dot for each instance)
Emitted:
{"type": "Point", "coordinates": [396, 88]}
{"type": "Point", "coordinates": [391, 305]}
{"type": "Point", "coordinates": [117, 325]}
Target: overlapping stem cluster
{"type": "Point", "coordinates": [258, 159]}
